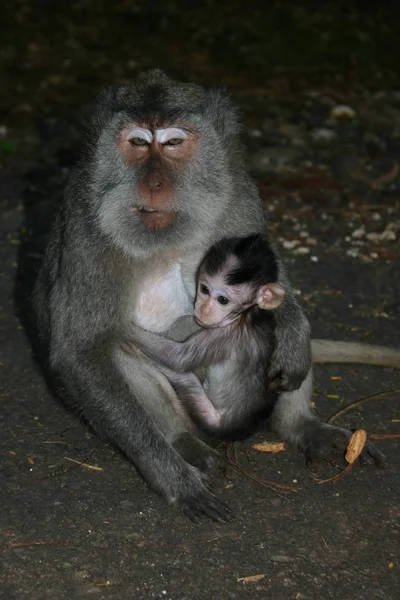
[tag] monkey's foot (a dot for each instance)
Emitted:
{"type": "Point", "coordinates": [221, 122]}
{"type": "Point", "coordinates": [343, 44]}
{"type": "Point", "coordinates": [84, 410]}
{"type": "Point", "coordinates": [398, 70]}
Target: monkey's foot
{"type": "Point", "coordinates": [205, 504]}
{"type": "Point", "coordinates": [199, 454]}
{"type": "Point", "coordinates": [190, 493]}
{"type": "Point", "coordinates": [196, 500]}
{"type": "Point", "coordinates": [320, 440]}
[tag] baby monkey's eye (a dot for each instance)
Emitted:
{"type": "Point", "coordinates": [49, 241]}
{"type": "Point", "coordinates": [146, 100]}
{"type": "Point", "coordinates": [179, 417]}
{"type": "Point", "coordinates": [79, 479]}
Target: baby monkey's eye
{"type": "Point", "coordinates": [222, 300]}
{"type": "Point", "coordinates": [204, 289]}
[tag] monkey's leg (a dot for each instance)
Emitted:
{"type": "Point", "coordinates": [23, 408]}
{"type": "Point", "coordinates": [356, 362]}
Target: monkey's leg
{"type": "Point", "coordinates": [191, 393]}
{"type": "Point", "coordinates": [291, 358]}
{"type": "Point", "coordinates": [293, 420]}
{"type": "Point", "coordinates": [199, 454]}
{"type": "Point", "coordinates": [134, 407]}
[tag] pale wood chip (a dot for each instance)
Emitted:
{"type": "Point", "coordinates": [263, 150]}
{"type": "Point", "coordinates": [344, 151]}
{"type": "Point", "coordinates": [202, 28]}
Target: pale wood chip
{"type": "Point", "coordinates": [270, 447]}
{"type": "Point", "coordinates": [252, 578]}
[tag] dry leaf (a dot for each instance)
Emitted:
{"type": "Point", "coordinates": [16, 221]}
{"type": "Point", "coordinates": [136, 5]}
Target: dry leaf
{"type": "Point", "coordinates": [356, 445]}
{"type": "Point", "coordinates": [270, 447]}
{"type": "Point", "coordinates": [252, 578]}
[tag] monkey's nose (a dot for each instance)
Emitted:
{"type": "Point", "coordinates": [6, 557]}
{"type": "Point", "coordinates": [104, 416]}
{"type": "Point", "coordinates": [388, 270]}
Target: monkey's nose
{"type": "Point", "coordinates": [154, 184]}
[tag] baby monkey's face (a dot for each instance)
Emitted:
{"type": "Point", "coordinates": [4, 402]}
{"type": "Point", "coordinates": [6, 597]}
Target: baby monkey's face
{"type": "Point", "coordinates": [218, 304]}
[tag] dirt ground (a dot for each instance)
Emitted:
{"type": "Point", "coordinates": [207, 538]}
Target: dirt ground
{"type": "Point", "coordinates": [320, 97]}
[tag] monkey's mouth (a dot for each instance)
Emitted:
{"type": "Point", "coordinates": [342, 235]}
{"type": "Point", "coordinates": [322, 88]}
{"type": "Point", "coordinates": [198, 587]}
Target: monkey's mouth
{"type": "Point", "coordinates": [147, 209]}
{"type": "Point", "coordinates": [199, 322]}
{"type": "Point", "coordinates": [222, 323]}
{"type": "Point", "coordinates": [205, 325]}
{"type": "Point", "coordinates": [154, 217]}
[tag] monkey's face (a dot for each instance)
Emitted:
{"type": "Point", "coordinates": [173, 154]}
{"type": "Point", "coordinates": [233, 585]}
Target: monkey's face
{"type": "Point", "coordinates": [217, 304]}
{"type": "Point", "coordinates": [158, 156]}
{"type": "Point", "coordinates": [161, 175]}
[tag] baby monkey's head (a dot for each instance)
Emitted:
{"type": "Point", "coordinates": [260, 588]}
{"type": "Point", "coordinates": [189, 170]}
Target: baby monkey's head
{"type": "Point", "coordinates": [235, 274]}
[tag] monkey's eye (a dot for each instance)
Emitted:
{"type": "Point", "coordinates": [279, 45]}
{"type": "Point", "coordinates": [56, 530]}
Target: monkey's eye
{"type": "Point", "coordinates": [204, 289]}
{"type": "Point", "coordinates": [222, 300]}
{"type": "Point", "coordinates": [138, 141]}
{"type": "Point", "coordinates": [174, 142]}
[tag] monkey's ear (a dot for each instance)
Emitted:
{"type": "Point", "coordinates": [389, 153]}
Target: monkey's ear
{"type": "Point", "coordinates": [270, 296]}
{"type": "Point", "coordinates": [222, 113]}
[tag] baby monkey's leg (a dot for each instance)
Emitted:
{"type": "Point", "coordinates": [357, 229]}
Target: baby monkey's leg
{"type": "Point", "coordinates": [192, 395]}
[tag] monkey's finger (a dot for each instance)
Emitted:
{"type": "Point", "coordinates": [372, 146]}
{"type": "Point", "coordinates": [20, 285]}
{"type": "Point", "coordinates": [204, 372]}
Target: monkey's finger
{"type": "Point", "coordinates": [291, 381]}
{"type": "Point", "coordinates": [274, 385]}
{"type": "Point", "coordinates": [369, 450]}
{"type": "Point", "coordinates": [274, 373]}
{"type": "Point", "coordinates": [205, 504]}
{"type": "Point", "coordinates": [372, 451]}
{"type": "Point", "coordinates": [281, 381]}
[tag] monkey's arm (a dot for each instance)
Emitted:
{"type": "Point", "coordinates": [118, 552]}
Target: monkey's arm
{"type": "Point", "coordinates": [291, 358]}
{"type": "Point", "coordinates": [201, 349]}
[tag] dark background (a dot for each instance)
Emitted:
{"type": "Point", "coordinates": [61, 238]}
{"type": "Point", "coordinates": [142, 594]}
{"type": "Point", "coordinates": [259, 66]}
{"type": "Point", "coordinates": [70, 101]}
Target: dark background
{"type": "Point", "coordinates": [330, 179]}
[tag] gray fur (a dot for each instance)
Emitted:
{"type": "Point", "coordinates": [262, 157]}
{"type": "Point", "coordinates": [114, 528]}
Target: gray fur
{"type": "Point", "coordinates": [328, 351]}
{"type": "Point", "coordinates": [235, 391]}
{"type": "Point", "coordinates": [99, 266]}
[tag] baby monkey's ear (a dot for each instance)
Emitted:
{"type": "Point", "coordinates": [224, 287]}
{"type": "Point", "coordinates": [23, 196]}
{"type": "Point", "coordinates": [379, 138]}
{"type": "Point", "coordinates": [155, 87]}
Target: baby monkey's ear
{"type": "Point", "coordinates": [270, 296]}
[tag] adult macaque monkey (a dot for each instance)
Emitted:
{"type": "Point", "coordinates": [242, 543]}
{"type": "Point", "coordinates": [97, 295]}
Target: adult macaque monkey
{"type": "Point", "coordinates": [160, 180]}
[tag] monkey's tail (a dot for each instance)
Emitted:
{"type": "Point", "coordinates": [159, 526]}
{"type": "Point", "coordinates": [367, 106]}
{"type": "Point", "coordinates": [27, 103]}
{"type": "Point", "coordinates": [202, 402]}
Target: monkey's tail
{"type": "Point", "coordinates": [330, 351]}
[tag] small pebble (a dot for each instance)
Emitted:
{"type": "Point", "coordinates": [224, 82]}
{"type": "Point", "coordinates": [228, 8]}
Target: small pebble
{"type": "Point", "coordinates": [358, 233]}
{"type": "Point", "coordinates": [281, 558]}
{"type": "Point", "coordinates": [290, 244]}
{"type": "Point", "coordinates": [323, 135]}
{"type": "Point", "coordinates": [342, 112]}
{"type": "Point", "coordinates": [302, 250]}
{"type": "Point", "coordinates": [388, 235]}
{"type": "Point", "coordinates": [255, 133]}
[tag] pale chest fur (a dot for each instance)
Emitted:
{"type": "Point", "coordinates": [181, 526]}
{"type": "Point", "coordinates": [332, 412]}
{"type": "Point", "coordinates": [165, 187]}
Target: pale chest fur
{"type": "Point", "coordinates": [162, 297]}
{"type": "Point", "coordinates": [218, 373]}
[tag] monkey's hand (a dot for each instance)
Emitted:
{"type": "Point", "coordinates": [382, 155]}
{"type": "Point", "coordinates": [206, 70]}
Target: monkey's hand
{"type": "Point", "coordinates": [291, 357]}
{"type": "Point", "coordinates": [283, 380]}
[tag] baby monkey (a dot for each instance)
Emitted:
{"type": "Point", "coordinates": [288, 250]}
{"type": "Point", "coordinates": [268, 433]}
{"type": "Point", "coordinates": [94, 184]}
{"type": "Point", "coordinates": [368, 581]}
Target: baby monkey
{"type": "Point", "coordinates": [236, 291]}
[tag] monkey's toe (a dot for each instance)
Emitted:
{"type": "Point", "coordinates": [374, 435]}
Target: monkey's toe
{"type": "Point", "coordinates": [205, 504]}
{"type": "Point", "coordinates": [371, 451]}
{"type": "Point", "coordinates": [199, 454]}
